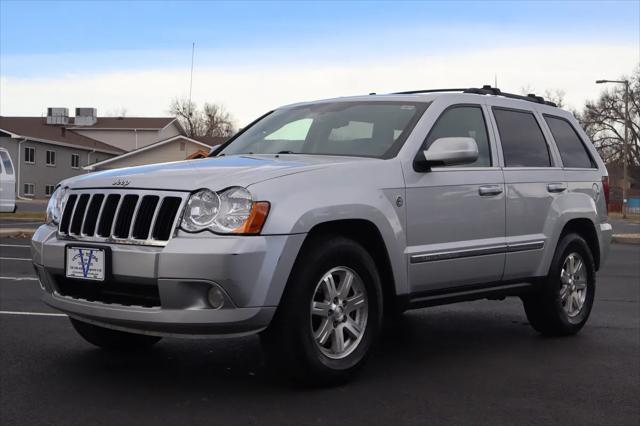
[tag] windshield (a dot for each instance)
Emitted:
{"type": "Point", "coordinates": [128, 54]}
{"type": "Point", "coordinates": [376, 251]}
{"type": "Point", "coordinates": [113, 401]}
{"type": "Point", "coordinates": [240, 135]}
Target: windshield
{"type": "Point", "coordinates": [368, 129]}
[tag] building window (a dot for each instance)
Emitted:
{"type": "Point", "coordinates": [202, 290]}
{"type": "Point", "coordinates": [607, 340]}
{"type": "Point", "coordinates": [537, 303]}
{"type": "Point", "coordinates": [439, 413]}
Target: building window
{"type": "Point", "coordinates": [29, 189]}
{"type": "Point", "coordinates": [183, 145]}
{"type": "Point", "coordinates": [48, 190]}
{"type": "Point", "coordinates": [51, 158]}
{"type": "Point", "coordinates": [29, 155]}
{"type": "Point", "coordinates": [75, 161]}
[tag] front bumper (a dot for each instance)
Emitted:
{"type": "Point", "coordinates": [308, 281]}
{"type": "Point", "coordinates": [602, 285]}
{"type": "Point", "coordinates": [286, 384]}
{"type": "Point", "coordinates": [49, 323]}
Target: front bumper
{"type": "Point", "coordinates": [251, 271]}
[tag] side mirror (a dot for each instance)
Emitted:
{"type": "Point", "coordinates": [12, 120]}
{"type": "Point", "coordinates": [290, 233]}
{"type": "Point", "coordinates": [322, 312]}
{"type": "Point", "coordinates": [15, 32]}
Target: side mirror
{"type": "Point", "coordinates": [447, 152]}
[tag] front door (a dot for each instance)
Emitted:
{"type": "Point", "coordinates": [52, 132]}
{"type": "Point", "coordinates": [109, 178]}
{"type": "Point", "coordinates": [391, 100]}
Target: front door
{"type": "Point", "coordinates": [456, 214]}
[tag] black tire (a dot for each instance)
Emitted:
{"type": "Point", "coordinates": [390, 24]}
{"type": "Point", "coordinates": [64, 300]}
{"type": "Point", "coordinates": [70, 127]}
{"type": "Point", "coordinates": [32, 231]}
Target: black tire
{"type": "Point", "coordinates": [289, 342]}
{"type": "Point", "coordinates": [545, 309]}
{"type": "Point", "coordinates": [113, 339]}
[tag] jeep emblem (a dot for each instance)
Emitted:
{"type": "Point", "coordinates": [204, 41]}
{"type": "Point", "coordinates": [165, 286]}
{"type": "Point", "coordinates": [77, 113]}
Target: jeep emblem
{"type": "Point", "coordinates": [121, 182]}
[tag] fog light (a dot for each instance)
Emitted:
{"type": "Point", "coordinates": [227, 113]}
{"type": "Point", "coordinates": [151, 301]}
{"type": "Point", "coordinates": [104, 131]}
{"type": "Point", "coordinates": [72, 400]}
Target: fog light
{"type": "Point", "coordinates": [216, 298]}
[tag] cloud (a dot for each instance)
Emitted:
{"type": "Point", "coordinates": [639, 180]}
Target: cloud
{"type": "Point", "coordinates": [250, 89]}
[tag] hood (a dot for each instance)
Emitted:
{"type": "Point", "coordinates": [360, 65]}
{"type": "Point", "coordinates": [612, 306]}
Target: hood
{"type": "Point", "coordinates": [215, 173]}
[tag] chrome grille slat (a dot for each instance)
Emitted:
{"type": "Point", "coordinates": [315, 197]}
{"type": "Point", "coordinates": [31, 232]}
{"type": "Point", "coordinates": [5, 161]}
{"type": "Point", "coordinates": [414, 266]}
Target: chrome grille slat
{"type": "Point", "coordinates": [153, 220]}
{"type": "Point", "coordinates": [154, 207]}
{"type": "Point", "coordinates": [134, 217]}
{"type": "Point", "coordinates": [115, 216]}
{"type": "Point", "coordinates": [84, 216]}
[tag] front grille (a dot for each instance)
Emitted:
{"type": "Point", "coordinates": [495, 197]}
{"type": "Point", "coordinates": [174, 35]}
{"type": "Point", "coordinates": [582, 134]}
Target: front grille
{"type": "Point", "coordinates": [121, 217]}
{"type": "Point", "coordinates": [110, 292]}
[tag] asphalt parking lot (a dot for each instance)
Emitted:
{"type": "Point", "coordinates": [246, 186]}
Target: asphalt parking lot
{"type": "Point", "coordinates": [472, 363]}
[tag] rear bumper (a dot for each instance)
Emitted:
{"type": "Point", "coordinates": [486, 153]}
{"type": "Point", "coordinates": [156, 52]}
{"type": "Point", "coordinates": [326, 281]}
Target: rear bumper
{"type": "Point", "coordinates": [251, 272]}
{"type": "Point", "coordinates": [606, 233]}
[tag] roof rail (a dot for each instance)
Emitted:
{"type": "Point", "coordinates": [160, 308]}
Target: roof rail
{"type": "Point", "coordinates": [486, 90]}
{"type": "Point", "coordinates": [413, 92]}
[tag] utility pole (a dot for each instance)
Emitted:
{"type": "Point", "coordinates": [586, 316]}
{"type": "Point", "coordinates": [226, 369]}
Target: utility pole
{"type": "Point", "coordinates": [625, 148]}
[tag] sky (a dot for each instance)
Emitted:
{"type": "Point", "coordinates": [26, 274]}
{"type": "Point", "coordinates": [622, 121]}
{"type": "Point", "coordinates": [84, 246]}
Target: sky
{"type": "Point", "coordinates": [254, 56]}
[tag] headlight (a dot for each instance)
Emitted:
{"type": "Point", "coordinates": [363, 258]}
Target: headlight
{"type": "Point", "coordinates": [55, 207]}
{"type": "Point", "coordinates": [231, 211]}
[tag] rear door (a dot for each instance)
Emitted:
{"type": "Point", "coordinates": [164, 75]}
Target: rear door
{"type": "Point", "coordinates": [456, 214]}
{"type": "Point", "coordinates": [533, 179]}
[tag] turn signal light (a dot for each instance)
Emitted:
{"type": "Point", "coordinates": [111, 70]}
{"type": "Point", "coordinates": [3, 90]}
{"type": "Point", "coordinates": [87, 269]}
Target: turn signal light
{"type": "Point", "coordinates": [257, 217]}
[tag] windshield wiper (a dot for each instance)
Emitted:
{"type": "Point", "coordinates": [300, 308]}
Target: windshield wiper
{"type": "Point", "coordinates": [285, 152]}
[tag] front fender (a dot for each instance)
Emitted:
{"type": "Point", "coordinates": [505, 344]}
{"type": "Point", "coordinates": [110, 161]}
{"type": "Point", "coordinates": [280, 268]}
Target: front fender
{"type": "Point", "coordinates": [301, 202]}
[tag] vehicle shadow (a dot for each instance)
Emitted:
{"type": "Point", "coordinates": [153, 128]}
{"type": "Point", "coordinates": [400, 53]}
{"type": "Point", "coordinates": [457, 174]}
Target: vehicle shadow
{"type": "Point", "coordinates": [415, 344]}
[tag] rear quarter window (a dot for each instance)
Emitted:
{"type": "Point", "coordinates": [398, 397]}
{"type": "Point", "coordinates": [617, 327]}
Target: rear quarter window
{"type": "Point", "coordinates": [572, 149]}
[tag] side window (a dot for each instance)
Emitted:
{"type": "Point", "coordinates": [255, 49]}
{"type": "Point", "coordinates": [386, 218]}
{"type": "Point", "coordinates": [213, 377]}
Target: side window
{"type": "Point", "coordinates": [293, 131]}
{"type": "Point", "coordinates": [572, 149]}
{"type": "Point", "coordinates": [523, 143]}
{"type": "Point", "coordinates": [463, 121]}
{"type": "Point", "coordinates": [6, 161]}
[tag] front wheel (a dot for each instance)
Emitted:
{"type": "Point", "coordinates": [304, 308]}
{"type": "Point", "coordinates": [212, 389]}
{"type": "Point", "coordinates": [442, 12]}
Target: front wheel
{"type": "Point", "coordinates": [107, 338]}
{"type": "Point", "coordinates": [329, 315]}
{"type": "Point", "coordinates": [563, 303]}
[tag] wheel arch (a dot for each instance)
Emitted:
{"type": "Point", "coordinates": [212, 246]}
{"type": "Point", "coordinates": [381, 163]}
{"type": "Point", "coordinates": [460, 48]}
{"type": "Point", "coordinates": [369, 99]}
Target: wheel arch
{"type": "Point", "coordinates": [367, 234]}
{"type": "Point", "coordinates": [587, 230]}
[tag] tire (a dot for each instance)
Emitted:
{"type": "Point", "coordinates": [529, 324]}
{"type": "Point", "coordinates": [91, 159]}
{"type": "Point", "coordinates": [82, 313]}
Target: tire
{"type": "Point", "coordinates": [113, 339]}
{"type": "Point", "coordinates": [562, 304]}
{"type": "Point", "coordinates": [305, 346]}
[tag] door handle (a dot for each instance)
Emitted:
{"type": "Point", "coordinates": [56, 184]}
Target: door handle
{"type": "Point", "coordinates": [556, 187]}
{"type": "Point", "coordinates": [489, 190]}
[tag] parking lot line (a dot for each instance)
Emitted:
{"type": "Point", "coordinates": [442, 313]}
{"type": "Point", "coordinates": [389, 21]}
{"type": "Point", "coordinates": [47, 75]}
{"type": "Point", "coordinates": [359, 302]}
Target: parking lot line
{"type": "Point", "coordinates": [16, 258]}
{"type": "Point", "coordinates": [38, 314]}
{"type": "Point", "coordinates": [19, 278]}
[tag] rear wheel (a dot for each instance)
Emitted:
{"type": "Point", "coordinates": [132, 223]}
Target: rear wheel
{"type": "Point", "coordinates": [107, 338]}
{"type": "Point", "coordinates": [563, 304]}
{"type": "Point", "coordinates": [329, 315]}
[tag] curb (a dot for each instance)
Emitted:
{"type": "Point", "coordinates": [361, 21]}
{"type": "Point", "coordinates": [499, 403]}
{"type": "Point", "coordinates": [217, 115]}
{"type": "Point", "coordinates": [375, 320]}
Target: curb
{"type": "Point", "coordinates": [17, 232]}
{"type": "Point", "coordinates": [626, 238]}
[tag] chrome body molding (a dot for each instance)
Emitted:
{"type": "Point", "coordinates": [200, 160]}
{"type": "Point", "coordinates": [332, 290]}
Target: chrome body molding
{"type": "Point", "coordinates": [457, 254]}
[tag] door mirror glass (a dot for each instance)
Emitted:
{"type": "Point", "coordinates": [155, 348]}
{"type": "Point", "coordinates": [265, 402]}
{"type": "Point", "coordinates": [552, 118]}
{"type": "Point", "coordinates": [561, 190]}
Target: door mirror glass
{"type": "Point", "coordinates": [451, 151]}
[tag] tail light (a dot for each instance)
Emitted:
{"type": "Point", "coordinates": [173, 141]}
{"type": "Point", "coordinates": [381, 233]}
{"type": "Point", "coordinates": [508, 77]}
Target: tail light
{"type": "Point", "coordinates": [605, 189]}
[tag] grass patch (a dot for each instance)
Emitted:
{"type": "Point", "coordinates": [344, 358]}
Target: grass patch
{"type": "Point", "coordinates": [23, 215]}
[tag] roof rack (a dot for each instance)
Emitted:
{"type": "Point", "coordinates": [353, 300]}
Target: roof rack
{"type": "Point", "coordinates": [486, 90]}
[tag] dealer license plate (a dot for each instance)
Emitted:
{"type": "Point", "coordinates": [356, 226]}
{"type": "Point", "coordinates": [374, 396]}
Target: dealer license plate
{"type": "Point", "coordinates": [85, 263]}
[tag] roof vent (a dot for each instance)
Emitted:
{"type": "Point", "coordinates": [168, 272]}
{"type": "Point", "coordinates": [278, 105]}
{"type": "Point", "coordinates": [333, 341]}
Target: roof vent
{"type": "Point", "coordinates": [59, 116]}
{"type": "Point", "coordinates": [86, 117]}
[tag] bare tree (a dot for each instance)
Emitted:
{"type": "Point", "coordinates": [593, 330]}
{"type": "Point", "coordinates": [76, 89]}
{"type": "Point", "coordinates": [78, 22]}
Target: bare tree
{"type": "Point", "coordinates": [212, 120]}
{"type": "Point", "coordinates": [554, 95]}
{"type": "Point", "coordinates": [217, 121]}
{"type": "Point", "coordinates": [603, 120]}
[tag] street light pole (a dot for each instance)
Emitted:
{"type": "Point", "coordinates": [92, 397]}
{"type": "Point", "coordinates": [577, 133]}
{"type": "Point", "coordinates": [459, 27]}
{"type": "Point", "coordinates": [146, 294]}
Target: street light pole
{"type": "Point", "coordinates": [625, 148]}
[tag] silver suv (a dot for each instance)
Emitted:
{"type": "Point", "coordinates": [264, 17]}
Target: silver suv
{"type": "Point", "coordinates": [318, 218]}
